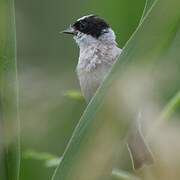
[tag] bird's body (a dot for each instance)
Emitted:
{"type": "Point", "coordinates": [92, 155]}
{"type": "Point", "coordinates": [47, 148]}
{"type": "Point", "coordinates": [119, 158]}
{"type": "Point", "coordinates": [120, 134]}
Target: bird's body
{"type": "Point", "coordinates": [95, 61]}
{"type": "Point", "coordinates": [98, 52]}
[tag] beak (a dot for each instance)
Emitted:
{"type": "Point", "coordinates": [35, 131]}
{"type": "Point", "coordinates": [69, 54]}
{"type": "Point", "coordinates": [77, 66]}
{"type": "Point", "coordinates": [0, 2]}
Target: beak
{"type": "Point", "coordinates": [70, 30]}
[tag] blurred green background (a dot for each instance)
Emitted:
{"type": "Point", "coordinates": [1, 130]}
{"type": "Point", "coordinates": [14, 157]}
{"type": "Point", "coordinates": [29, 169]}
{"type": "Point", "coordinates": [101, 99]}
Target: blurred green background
{"type": "Point", "coordinates": [46, 68]}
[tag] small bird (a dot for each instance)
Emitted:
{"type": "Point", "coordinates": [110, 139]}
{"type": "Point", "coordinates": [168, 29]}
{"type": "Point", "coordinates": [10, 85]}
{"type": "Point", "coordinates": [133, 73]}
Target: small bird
{"type": "Point", "coordinates": [98, 53]}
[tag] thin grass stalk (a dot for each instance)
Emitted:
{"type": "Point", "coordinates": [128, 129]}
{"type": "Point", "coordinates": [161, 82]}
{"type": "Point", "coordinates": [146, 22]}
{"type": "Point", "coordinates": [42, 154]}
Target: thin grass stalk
{"type": "Point", "coordinates": [9, 119]}
{"type": "Point", "coordinates": [170, 108]}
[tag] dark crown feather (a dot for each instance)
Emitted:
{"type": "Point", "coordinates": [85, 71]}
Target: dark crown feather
{"type": "Point", "coordinates": [91, 25]}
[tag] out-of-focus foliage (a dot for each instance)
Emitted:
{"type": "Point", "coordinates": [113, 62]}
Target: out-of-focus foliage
{"type": "Point", "coordinates": [171, 107]}
{"type": "Point", "coordinates": [123, 175]}
{"type": "Point", "coordinates": [49, 160]}
{"type": "Point", "coordinates": [9, 121]}
{"type": "Point", "coordinates": [144, 79]}
{"type": "Point", "coordinates": [46, 67]}
{"type": "Point", "coordinates": [73, 94]}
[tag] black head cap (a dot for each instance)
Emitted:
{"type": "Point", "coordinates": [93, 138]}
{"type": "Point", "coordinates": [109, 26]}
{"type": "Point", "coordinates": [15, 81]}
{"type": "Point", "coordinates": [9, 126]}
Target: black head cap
{"type": "Point", "coordinates": [91, 25]}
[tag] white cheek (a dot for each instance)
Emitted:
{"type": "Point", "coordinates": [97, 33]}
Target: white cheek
{"type": "Point", "coordinates": [79, 38]}
{"type": "Point", "coordinates": [84, 39]}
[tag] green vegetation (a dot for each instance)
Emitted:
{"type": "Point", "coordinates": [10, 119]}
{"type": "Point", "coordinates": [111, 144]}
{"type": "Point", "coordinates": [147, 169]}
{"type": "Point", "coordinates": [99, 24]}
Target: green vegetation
{"type": "Point", "coordinates": [146, 53]}
{"type": "Point", "coordinates": [61, 138]}
{"type": "Point", "coordinates": [9, 121]}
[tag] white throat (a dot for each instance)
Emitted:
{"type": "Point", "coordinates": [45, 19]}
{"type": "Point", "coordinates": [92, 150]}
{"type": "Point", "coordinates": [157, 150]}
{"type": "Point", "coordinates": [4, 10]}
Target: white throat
{"type": "Point", "coordinates": [95, 60]}
{"type": "Point", "coordinates": [84, 40]}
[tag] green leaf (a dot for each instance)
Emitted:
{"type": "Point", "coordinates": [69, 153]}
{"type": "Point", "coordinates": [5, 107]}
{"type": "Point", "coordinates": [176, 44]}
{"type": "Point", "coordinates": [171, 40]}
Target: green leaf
{"type": "Point", "coordinates": [9, 121]}
{"type": "Point", "coordinates": [74, 94]}
{"type": "Point", "coordinates": [148, 55]}
{"type": "Point", "coordinates": [53, 162]}
{"type": "Point", "coordinates": [42, 156]}
{"type": "Point", "coordinates": [170, 108]}
{"type": "Point", "coordinates": [148, 6]}
{"type": "Point", "coordinates": [48, 159]}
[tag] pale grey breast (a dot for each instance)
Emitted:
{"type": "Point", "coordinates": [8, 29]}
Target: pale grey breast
{"type": "Point", "coordinates": [93, 66]}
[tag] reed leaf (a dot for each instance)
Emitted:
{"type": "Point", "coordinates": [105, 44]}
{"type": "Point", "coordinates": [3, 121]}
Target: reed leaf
{"type": "Point", "coordinates": [153, 46]}
{"type": "Point", "coordinates": [9, 120]}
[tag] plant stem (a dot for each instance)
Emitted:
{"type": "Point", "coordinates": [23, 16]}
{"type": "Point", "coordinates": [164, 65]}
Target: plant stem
{"type": "Point", "coordinates": [9, 122]}
{"type": "Point", "coordinates": [171, 107]}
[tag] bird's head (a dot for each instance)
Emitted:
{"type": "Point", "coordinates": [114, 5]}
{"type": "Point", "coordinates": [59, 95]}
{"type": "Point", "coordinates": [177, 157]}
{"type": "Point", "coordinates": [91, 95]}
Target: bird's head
{"type": "Point", "coordinates": [90, 29]}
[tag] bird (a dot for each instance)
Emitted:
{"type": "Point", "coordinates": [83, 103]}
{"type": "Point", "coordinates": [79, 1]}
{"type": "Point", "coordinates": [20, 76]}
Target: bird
{"type": "Point", "coordinates": [98, 53]}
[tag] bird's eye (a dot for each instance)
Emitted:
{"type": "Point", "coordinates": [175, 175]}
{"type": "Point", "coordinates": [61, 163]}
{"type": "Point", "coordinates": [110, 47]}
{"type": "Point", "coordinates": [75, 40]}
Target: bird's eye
{"type": "Point", "coordinates": [82, 25]}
